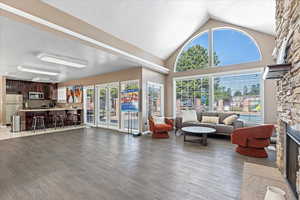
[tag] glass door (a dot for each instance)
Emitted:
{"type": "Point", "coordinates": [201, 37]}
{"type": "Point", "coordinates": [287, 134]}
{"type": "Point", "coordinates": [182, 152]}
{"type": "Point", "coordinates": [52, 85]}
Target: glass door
{"type": "Point", "coordinates": [155, 99]}
{"type": "Point", "coordinates": [89, 102]}
{"type": "Point", "coordinates": [108, 106]}
{"type": "Point", "coordinates": [130, 105]}
{"type": "Point", "coordinates": [114, 106]}
{"type": "Point", "coordinates": [102, 106]}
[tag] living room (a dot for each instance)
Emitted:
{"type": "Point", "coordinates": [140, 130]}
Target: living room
{"type": "Point", "coordinates": [149, 100]}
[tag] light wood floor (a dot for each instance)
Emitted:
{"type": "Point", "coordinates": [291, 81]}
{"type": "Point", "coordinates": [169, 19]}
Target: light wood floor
{"type": "Point", "coordinates": [100, 164]}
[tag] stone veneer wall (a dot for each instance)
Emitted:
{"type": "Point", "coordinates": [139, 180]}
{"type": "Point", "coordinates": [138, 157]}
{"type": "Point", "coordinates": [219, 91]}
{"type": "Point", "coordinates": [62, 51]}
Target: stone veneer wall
{"type": "Point", "coordinates": [288, 88]}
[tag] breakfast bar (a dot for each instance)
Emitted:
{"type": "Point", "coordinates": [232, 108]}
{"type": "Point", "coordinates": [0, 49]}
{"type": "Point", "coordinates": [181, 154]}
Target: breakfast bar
{"type": "Point", "coordinates": [32, 119]}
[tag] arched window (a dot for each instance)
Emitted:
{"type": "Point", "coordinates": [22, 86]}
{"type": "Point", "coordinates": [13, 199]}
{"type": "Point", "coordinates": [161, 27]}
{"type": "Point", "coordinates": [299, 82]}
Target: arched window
{"type": "Point", "coordinates": [226, 46]}
{"type": "Point", "coordinates": [194, 55]}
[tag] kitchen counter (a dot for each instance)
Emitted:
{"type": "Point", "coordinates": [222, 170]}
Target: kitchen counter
{"type": "Point", "coordinates": [49, 109]}
{"type": "Point", "coordinates": [27, 115]}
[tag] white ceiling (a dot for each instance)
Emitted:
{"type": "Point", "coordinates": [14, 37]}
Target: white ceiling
{"type": "Point", "coordinates": [161, 26]}
{"type": "Point", "coordinates": [21, 43]}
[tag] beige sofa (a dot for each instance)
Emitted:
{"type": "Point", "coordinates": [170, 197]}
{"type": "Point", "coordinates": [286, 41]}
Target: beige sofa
{"type": "Point", "coordinates": [220, 127]}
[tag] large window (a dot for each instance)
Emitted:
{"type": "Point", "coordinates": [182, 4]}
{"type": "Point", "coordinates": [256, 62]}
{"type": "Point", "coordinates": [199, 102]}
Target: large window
{"type": "Point", "coordinates": [240, 94]}
{"type": "Point", "coordinates": [227, 93]}
{"type": "Point", "coordinates": [217, 47]}
{"type": "Point", "coordinates": [192, 94]}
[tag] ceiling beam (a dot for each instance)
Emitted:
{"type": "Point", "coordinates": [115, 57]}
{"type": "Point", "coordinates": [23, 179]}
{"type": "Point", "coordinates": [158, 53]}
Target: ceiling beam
{"type": "Point", "coordinates": [42, 15]}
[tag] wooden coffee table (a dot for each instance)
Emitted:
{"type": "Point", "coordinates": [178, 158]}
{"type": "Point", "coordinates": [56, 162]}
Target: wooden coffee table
{"type": "Point", "coordinates": [198, 131]}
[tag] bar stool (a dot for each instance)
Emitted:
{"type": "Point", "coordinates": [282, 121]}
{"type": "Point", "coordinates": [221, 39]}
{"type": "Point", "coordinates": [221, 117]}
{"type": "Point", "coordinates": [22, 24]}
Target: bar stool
{"type": "Point", "coordinates": [59, 121]}
{"type": "Point", "coordinates": [72, 119]}
{"type": "Point", "coordinates": [38, 122]}
{"type": "Point", "coordinates": [78, 118]}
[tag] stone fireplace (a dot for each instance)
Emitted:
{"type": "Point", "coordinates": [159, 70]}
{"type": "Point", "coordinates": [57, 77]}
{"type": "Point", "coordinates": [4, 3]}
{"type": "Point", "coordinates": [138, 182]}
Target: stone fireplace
{"type": "Point", "coordinates": [292, 157]}
{"type": "Point", "coordinates": [288, 88]}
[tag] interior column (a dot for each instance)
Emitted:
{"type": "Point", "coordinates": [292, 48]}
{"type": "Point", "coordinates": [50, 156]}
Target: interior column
{"type": "Point", "coordinates": [2, 100]}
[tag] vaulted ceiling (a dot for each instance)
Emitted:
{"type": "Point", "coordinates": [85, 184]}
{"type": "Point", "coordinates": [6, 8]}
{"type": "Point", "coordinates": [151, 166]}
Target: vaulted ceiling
{"type": "Point", "coordinates": [140, 27]}
{"type": "Point", "coordinates": [161, 26]}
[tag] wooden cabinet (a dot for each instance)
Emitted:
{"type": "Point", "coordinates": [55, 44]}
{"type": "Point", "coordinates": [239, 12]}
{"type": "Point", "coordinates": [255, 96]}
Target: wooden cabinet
{"type": "Point", "coordinates": [24, 87]}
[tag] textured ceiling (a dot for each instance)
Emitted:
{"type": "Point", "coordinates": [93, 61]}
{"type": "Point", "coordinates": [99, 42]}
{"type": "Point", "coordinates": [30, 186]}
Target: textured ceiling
{"type": "Point", "coordinates": [161, 26]}
{"type": "Point", "coordinates": [21, 43]}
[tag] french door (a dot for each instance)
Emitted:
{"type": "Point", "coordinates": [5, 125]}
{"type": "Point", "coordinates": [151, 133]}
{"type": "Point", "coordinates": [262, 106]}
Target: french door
{"type": "Point", "coordinates": [130, 92]}
{"type": "Point", "coordinates": [108, 106]}
{"type": "Point", "coordinates": [89, 105]}
{"type": "Point", "coordinates": [155, 99]}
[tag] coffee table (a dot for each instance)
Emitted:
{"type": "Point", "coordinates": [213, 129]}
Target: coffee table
{"type": "Point", "coordinates": [198, 131]}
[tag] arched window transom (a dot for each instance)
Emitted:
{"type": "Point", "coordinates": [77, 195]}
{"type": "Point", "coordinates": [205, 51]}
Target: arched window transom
{"type": "Point", "coordinates": [217, 48]}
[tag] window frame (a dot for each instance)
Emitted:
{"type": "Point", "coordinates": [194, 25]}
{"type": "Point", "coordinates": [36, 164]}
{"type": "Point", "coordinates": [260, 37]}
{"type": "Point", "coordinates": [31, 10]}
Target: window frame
{"type": "Point", "coordinates": [211, 87]}
{"type": "Point", "coordinates": [211, 47]}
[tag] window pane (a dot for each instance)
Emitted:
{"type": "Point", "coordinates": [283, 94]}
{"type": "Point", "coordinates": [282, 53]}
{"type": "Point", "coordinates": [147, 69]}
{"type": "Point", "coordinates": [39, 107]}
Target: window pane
{"type": "Point", "coordinates": [89, 96]}
{"type": "Point", "coordinates": [102, 106]}
{"type": "Point", "coordinates": [240, 94]}
{"type": "Point", "coordinates": [233, 47]}
{"type": "Point", "coordinates": [130, 93]}
{"type": "Point", "coordinates": [154, 99]}
{"type": "Point", "coordinates": [114, 106]}
{"type": "Point", "coordinates": [194, 55]}
{"type": "Point", "coordinates": [192, 94]}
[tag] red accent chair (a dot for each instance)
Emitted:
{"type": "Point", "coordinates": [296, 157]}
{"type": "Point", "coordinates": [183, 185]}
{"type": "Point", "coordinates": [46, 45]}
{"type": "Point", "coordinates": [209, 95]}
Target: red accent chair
{"type": "Point", "coordinates": [161, 130]}
{"type": "Point", "coordinates": [252, 141]}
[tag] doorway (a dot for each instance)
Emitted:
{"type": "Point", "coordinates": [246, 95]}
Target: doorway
{"type": "Point", "coordinates": [89, 105]}
{"type": "Point", "coordinates": [130, 92]}
{"type": "Point", "coordinates": [155, 99]}
{"type": "Point", "coordinates": [108, 105]}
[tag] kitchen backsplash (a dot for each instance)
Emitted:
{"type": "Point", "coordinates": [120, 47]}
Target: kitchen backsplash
{"type": "Point", "coordinates": [38, 103]}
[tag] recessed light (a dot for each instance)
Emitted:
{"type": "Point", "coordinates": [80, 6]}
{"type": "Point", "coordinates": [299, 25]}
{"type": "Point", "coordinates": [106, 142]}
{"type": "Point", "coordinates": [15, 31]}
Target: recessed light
{"type": "Point", "coordinates": [36, 71]}
{"type": "Point", "coordinates": [67, 61]}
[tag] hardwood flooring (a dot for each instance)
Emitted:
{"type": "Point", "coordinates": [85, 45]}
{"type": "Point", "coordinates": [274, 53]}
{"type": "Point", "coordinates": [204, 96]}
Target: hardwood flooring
{"type": "Point", "coordinates": [100, 164]}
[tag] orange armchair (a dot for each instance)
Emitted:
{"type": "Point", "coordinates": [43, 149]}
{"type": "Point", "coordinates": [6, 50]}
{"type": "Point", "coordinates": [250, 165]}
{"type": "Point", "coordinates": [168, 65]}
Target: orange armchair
{"type": "Point", "coordinates": [161, 130]}
{"type": "Point", "coordinates": [251, 141]}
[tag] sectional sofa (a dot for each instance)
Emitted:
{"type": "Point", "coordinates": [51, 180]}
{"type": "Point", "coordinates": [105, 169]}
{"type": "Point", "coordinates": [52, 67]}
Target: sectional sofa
{"type": "Point", "coordinates": [220, 127]}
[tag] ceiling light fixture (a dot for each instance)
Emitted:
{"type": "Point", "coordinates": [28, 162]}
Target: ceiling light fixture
{"type": "Point", "coordinates": [83, 37]}
{"type": "Point", "coordinates": [36, 71]}
{"type": "Point", "coordinates": [67, 61]}
{"type": "Point", "coordinates": [43, 80]}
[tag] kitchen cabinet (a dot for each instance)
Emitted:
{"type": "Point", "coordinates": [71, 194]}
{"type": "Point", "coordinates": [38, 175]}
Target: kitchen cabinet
{"type": "Point", "coordinates": [24, 87]}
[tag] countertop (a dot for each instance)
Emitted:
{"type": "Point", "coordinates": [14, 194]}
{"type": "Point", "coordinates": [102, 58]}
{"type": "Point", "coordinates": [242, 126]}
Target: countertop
{"type": "Point", "coordinates": [48, 109]}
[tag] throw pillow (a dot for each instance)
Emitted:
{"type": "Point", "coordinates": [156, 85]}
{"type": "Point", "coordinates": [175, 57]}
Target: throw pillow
{"type": "Point", "coordinates": [209, 119]}
{"type": "Point", "coordinates": [230, 119]}
{"type": "Point", "coordinates": [159, 120]}
{"type": "Point", "coordinates": [189, 116]}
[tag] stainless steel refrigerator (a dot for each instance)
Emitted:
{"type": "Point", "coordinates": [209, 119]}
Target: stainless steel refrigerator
{"type": "Point", "coordinates": [14, 102]}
